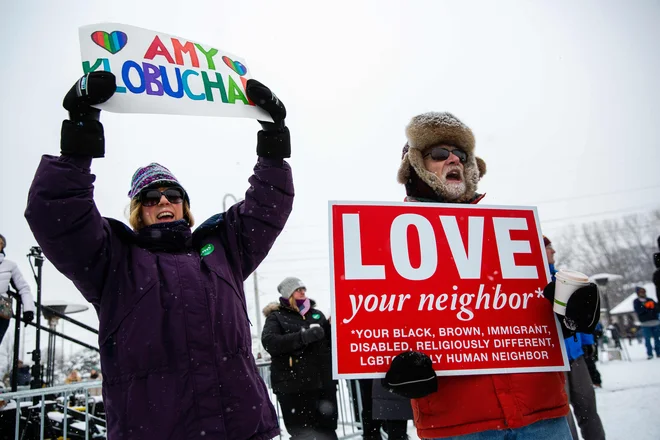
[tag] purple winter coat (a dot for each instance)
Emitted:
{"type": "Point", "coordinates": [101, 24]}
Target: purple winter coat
{"type": "Point", "coordinates": [174, 334]}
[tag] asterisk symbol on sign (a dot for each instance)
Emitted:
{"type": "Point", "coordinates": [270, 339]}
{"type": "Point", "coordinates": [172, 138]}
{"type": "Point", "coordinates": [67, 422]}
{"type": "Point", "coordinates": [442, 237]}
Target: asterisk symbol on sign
{"type": "Point", "coordinates": [539, 293]}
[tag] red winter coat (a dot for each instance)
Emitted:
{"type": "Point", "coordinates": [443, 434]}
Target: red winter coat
{"type": "Point", "coordinates": [468, 404]}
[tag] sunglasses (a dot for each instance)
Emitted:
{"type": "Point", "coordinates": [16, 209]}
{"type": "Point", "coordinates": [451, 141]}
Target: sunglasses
{"type": "Point", "coordinates": [441, 153]}
{"type": "Point", "coordinates": [151, 197]}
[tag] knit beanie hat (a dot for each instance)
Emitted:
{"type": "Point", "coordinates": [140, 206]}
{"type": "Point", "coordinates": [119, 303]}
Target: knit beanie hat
{"type": "Point", "coordinates": [546, 241]}
{"type": "Point", "coordinates": [288, 286]}
{"type": "Point", "coordinates": [153, 175]}
{"type": "Point", "coordinates": [435, 128]}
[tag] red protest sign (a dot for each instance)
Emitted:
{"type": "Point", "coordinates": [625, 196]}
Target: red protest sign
{"type": "Point", "coordinates": [461, 283]}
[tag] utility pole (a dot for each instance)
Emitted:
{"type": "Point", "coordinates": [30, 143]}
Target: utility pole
{"type": "Point", "coordinates": [36, 253]}
{"type": "Point", "coordinates": [257, 307]}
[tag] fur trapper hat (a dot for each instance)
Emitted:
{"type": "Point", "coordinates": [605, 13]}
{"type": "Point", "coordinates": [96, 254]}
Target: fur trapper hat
{"type": "Point", "coordinates": [434, 128]}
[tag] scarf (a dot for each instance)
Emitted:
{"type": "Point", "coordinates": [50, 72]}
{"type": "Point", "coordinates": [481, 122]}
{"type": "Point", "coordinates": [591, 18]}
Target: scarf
{"type": "Point", "coordinates": [303, 305]}
{"type": "Point", "coordinates": [167, 237]}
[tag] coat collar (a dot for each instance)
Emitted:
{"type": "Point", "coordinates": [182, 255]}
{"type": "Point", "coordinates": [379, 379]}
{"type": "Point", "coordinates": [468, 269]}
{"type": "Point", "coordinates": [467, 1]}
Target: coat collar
{"type": "Point", "coordinates": [477, 198]}
{"type": "Point", "coordinates": [277, 306]}
{"type": "Point", "coordinates": [165, 237]}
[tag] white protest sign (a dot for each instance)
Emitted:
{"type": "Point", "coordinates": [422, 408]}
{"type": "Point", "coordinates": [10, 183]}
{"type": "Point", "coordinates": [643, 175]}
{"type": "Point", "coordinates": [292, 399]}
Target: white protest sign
{"type": "Point", "coordinates": [164, 74]}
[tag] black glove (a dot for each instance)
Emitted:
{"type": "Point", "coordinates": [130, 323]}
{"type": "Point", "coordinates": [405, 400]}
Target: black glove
{"type": "Point", "coordinates": [274, 140]}
{"type": "Point", "coordinates": [28, 317]}
{"type": "Point", "coordinates": [82, 133]}
{"type": "Point", "coordinates": [582, 309]}
{"type": "Point", "coordinates": [312, 334]}
{"type": "Point", "coordinates": [411, 375]}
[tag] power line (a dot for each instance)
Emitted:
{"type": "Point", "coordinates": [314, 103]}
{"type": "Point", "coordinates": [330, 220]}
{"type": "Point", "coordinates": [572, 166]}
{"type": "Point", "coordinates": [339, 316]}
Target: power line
{"type": "Point", "coordinates": [593, 214]}
{"type": "Point", "coordinates": [587, 196]}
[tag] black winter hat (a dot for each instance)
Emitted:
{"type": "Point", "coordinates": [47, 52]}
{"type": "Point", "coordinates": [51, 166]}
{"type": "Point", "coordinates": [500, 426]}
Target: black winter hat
{"type": "Point", "coordinates": [411, 375]}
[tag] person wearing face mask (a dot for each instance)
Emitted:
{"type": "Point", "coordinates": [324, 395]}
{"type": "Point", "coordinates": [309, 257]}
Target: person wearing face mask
{"type": "Point", "coordinates": [174, 333]}
{"type": "Point", "coordinates": [297, 336]}
{"type": "Point", "coordinates": [10, 275]}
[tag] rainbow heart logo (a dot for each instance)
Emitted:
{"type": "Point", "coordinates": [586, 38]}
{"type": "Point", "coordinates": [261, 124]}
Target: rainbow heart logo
{"type": "Point", "coordinates": [235, 65]}
{"type": "Point", "coordinates": [113, 42]}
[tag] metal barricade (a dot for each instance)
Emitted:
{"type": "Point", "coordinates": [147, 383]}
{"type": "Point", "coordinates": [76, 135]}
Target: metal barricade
{"type": "Point", "coordinates": [349, 405]}
{"type": "Point", "coordinates": [72, 412]}
{"type": "Point", "coordinates": [66, 411]}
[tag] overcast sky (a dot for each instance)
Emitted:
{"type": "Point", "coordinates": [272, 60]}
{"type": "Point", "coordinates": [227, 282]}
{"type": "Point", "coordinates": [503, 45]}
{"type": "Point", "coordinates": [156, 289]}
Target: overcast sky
{"type": "Point", "coordinates": [562, 96]}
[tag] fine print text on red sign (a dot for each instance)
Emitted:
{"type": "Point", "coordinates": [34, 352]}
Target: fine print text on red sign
{"type": "Point", "coordinates": [461, 283]}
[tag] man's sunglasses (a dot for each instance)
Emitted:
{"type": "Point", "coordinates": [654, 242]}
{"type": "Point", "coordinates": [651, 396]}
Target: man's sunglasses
{"type": "Point", "coordinates": [151, 197]}
{"type": "Point", "coordinates": [441, 153]}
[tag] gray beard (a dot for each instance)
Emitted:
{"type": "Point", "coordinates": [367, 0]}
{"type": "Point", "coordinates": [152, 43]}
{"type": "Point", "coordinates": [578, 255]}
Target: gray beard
{"type": "Point", "coordinates": [451, 191]}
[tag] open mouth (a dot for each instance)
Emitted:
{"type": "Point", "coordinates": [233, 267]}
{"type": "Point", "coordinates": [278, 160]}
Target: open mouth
{"type": "Point", "coordinates": [165, 215]}
{"type": "Point", "coordinates": [453, 176]}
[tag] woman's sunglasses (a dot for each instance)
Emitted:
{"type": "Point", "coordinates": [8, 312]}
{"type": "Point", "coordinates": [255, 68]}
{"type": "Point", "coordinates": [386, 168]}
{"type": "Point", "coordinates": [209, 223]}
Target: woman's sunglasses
{"type": "Point", "coordinates": [151, 197]}
{"type": "Point", "coordinates": [441, 153]}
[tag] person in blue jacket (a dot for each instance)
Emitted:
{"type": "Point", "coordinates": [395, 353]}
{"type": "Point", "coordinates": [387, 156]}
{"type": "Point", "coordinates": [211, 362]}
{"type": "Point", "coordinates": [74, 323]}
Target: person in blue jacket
{"type": "Point", "coordinates": [578, 381]}
{"type": "Point", "coordinates": [648, 314]}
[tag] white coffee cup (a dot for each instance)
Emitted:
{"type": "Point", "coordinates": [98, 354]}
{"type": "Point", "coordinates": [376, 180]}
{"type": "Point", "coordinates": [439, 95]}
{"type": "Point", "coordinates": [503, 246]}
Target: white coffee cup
{"type": "Point", "coordinates": [568, 281]}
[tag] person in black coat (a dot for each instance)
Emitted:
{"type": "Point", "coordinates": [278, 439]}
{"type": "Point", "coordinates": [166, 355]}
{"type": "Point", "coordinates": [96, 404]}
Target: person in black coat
{"type": "Point", "coordinates": [383, 409]}
{"type": "Point", "coordinates": [656, 274]}
{"type": "Point", "coordinates": [297, 337]}
{"type": "Point", "coordinates": [647, 312]}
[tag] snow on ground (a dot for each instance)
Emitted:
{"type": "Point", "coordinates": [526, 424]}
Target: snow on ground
{"type": "Point", "coordinates": [629, 402]}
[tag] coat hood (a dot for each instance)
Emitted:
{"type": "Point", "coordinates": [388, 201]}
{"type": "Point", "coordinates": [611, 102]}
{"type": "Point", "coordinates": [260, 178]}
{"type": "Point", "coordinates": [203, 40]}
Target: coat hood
{"type": "Point", "coordinates": [271, 307]}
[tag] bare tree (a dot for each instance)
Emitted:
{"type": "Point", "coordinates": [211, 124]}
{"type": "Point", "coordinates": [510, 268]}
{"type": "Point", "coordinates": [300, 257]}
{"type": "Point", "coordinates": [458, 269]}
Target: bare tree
{"type": "Point", "coordinates": [622, 246]}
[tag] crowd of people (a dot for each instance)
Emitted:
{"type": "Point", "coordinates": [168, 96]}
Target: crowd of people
{"type": "Point", "coordinates": [174, 332]}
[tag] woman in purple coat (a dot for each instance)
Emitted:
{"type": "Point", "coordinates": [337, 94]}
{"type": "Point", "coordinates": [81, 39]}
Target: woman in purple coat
{"type": "Point", "coordinates": [174, 332]}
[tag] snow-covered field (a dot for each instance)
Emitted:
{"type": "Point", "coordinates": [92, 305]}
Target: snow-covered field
{"type": "Point", "coordinates": [629, 402]}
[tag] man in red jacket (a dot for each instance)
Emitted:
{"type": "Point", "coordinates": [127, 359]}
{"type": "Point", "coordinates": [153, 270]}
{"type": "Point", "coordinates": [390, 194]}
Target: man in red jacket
{"type": "Point", "coordinates": [439, 166]}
